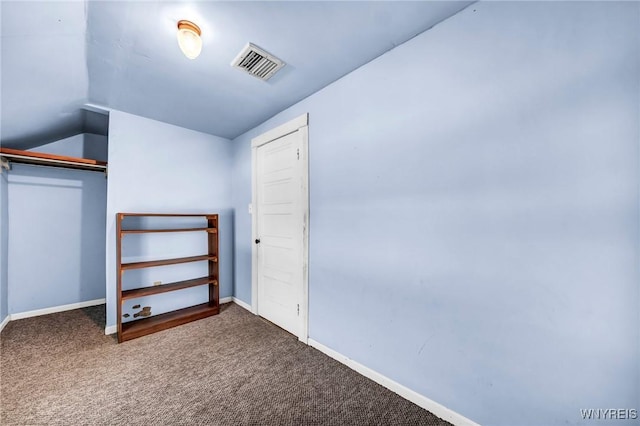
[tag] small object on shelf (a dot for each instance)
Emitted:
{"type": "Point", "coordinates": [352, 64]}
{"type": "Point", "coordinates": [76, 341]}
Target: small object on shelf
{"type": "Point", "coordinates": [146, 323]}
{"type": "Point", "coordinates": [145, 312]}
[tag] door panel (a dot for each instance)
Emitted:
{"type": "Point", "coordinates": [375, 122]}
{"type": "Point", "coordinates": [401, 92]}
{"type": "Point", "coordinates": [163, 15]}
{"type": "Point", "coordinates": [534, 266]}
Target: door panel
{"type": "Point", "coordinates": [279, 224]}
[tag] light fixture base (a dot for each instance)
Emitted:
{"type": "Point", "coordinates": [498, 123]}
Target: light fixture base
{"type": "Point", "coordinates": [188, 25]}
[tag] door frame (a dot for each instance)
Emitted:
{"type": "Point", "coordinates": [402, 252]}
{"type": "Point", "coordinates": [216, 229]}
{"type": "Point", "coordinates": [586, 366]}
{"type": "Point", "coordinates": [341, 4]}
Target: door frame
{"type": "Point", "coordinates": [301, 124]}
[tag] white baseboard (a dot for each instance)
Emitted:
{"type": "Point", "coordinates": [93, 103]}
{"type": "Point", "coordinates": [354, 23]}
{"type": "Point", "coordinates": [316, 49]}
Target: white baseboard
{"type": "Point", "coordinates": [110, 329]}
{"type": "Point", "coordinates": [236, 301]}
{"type": "Point", "coordinates": [242, 304]}
{"type": "Point", "coordinates": [55, 309]}
{"type": "Point", "coordinates": [413, 396]}
{"type": "Point", "coordinates": [4, 322]}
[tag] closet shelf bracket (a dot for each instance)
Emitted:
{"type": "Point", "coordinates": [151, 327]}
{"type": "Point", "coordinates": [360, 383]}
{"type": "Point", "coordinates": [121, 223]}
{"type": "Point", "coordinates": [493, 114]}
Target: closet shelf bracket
{"type": "Point", "coordinates": [4, 164]}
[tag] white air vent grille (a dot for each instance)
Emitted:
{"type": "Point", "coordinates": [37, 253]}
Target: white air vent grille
{"type": "Point", "coordinates": [257, 62]}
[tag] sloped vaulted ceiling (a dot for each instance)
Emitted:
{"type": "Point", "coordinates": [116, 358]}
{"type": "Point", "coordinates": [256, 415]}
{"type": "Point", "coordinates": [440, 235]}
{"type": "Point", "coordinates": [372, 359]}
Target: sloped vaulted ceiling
{"type": "Point", "coordinates": [44, 79]}
{"type": "Point", "coordinates": [58, 56]}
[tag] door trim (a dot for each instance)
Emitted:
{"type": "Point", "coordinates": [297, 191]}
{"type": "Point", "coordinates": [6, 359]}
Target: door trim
{"type": "Point", "coordinates": [301, 124]}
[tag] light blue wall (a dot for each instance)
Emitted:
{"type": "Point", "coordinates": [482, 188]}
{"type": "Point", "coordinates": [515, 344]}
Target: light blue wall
{"type": "Point", "coordinates": [56, 237]}
{"type": "Point", "coordinates": [84, 145]}
{"type": "Point", "coordinates": [157, 167]}
{"type": "Point", "coordinates": [72, 146]}
{"type": "Point", "coordinates": [474, 211]}
{"type": "Point", "coordinates": [96, 146]}
{"type": "Point", "coordinates": [56, 211]}
{"type": "Point", "coordinates": [56, 233]}
{"type": "Point", "coordinates": [4, 245]}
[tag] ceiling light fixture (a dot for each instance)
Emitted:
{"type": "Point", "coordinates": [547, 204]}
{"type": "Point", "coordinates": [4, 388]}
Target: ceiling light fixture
{"type": "Point", "coordinates": [189, 39]}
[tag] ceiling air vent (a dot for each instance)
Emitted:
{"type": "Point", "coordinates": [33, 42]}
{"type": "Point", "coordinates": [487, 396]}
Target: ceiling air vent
{"type": "Point", "coordinates": [257, 62]}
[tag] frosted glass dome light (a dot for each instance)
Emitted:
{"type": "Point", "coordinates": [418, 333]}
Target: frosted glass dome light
{"type": "Point", "coordinates": [189, 39]}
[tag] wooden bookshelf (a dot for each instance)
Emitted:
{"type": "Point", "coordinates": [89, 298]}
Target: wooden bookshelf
{"type": "Point", "coordinates": [131, 330]}
{"type": "Point", "coordinates": [151, 324]}
{"type": "Point", "coordinates": [148, 231]}
{"type": "Point", "coordinates": [164, 288]}
{"type": "Point", "coordinates": [163, 262]}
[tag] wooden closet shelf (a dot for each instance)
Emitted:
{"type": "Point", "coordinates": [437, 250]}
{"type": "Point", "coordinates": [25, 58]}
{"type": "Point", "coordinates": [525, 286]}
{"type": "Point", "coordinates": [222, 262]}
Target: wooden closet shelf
{"type": "Point", "coordinates": [207, 215]}
{"type": "Point", "coordinates": [164, 288]}
{"type": "Point", "coordinates": [148, 231]}
{"type": "Point", "coordinates": [52, 160]}
{"type": "Point", "coordinates": [174, 261]}
{"type": "Point", "coordinates": [137, 328]}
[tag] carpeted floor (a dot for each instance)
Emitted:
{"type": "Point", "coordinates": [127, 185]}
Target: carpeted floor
{"type": "Point", "coordinates": [230, 369]}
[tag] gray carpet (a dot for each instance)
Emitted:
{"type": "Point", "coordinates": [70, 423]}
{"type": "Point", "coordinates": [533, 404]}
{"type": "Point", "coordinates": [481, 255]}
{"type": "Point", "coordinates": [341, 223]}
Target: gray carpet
{"type": "Point", "coordinates": [230, 369]}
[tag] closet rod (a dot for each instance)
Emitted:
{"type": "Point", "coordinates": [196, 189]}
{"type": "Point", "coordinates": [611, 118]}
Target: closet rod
{"type": "Point", "coordinates": [39, 159]}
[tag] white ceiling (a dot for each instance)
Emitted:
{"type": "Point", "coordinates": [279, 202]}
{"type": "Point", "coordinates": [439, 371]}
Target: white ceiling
{"type": "Point", "coordinates": [57, 56]}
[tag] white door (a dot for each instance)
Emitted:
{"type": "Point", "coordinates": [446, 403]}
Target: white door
{"type": "Point", "coordinates": [280, 218]}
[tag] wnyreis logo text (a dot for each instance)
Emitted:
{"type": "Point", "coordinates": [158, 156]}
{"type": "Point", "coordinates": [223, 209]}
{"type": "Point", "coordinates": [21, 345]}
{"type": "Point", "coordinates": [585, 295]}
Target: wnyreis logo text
{"type": "Point", "coordinates": [609, 413]}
